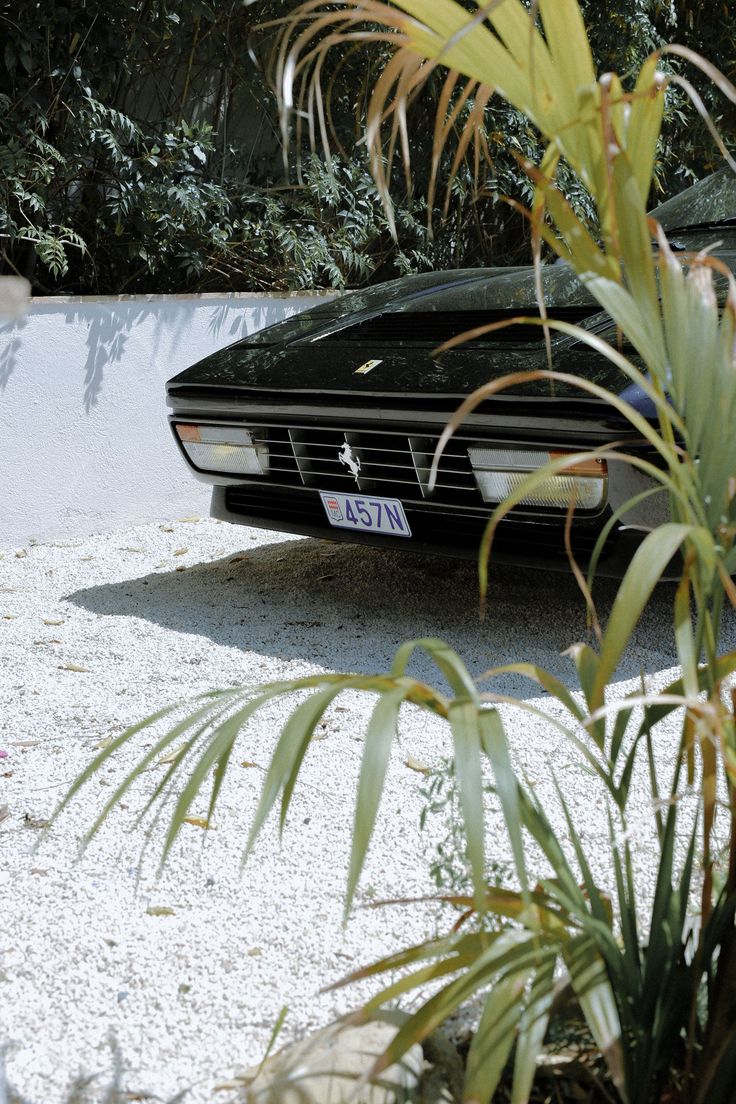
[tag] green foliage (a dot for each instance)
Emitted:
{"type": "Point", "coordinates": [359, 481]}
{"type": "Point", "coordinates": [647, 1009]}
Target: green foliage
{"type": "Point", "coordinates": [331, 231]}
{"type": "Point", "coordinates": [450, 869]}
{"type": "Point", "coordinates": [128, 162]}
{"type": "Point", "coordinates": [139, 152]}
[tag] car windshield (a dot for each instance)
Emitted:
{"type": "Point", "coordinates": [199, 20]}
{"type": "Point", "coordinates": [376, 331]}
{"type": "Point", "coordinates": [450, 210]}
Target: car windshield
{"type": "Point", "coordinates": [465, 291]}
{"type": "Point", "coordinates": [366, 299]}
{"type": "Point", "coordinates": [509, 289]}
{"type": "Point", "coordinates": [708, 202]}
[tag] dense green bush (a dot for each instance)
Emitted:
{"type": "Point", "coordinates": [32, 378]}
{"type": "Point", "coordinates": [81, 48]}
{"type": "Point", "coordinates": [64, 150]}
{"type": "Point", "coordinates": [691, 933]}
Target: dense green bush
{"type": "Point", "coordinates": [117, 174]}
{"type": "Point", "coordinates": [139, 152]}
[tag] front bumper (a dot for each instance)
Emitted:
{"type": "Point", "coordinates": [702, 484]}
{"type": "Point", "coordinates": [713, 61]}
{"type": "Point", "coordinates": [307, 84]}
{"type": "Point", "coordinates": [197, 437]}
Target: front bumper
{"type": "Point", "coordinates": [526, 542]}
{"type": "Point", "coordinates": [395, 449]}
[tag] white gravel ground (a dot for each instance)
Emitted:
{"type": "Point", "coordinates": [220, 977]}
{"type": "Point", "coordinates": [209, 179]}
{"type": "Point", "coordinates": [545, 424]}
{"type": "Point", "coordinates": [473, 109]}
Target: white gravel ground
{"type": "Point", "coordinates": [157, 613]}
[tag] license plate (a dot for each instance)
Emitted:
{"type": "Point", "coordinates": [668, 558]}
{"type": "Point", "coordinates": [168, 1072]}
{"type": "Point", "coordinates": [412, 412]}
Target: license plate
{"type": "Point", "coordinates": [367, 514]}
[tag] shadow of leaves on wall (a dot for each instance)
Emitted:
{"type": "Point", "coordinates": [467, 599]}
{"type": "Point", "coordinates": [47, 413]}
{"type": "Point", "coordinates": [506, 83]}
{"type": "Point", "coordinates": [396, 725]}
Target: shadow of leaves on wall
{"type": "Point", "coordinates": [108, 331]}
{"type": "Point", "coordinates": [10, 344]}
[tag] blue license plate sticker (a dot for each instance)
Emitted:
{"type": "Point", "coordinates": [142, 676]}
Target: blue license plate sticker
{"type": "Point", "coordinates": [366, 513]}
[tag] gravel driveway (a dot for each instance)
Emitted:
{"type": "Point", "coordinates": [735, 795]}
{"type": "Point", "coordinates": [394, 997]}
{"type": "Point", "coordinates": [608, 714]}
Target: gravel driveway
{"type": "Point", "coordinates": [189, 970]}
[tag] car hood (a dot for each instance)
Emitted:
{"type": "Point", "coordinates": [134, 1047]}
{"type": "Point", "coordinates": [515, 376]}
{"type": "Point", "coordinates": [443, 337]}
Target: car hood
{"type": "Point", "coordinates": [400, 326]}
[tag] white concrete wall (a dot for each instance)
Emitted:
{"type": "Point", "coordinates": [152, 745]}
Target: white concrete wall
{"type": "Point", "coordinates": [84, 442]}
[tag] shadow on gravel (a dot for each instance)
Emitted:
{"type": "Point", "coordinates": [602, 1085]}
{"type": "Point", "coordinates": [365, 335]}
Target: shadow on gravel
{"type": "Point", "coordinates": [346, 607]}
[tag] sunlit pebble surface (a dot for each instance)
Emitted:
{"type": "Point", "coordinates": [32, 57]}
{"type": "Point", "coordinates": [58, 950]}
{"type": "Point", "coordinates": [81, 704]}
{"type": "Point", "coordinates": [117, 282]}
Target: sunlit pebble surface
{"type": "Point", "coordinates": [88, 949]}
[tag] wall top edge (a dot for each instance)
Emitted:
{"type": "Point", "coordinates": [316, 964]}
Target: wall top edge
{"type": "Point", "coordinates": [204, 296]}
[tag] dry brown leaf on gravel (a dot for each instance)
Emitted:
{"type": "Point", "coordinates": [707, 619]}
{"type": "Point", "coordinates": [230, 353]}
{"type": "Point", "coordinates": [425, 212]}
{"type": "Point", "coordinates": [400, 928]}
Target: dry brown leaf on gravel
{"type": "Point", "coordinates": [181, 552]}
{"type": "Point", "coordinates": [51, 621]}
{"type": "Point", "coordinates": [416, 765]}
{"type": "Point", "coordinates": [160, 910]}
{"type": "Point", "coordinates": [199, 822]}
{"type": "Point", "coordinates": [171, 757]}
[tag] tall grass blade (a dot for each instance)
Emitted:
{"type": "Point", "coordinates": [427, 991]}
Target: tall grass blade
{"type": "Point", "coordinates": [493, 741]}
{"type": "Point", "coordinates": [593, 990]}
{"type": "Point", "coordinates": [646, 569]}
{"type": "Point", "coordinates": [531, 1032]}
{"type": "Point", "coordinates": [495, 1036]}
{"type": "Point", "coordinates": [465, 724]}
{"type": "Point", "coordinates": [448, 661]}
{"type": "Point", "coordinates": [379, 740]}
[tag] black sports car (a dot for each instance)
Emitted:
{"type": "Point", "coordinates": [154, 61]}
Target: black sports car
{"type": "Point", "coordinates": [326, 424]}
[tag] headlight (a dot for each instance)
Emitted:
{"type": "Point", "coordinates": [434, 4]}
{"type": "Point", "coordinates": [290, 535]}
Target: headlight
{"type": "Point", "coordinates": [500, 472]}
{"type": "Point", "coordinates": [224, 449]}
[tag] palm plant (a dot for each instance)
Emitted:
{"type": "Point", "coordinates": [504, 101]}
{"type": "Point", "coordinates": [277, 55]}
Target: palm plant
{"type": "Point", "coordinates": [658, 992]}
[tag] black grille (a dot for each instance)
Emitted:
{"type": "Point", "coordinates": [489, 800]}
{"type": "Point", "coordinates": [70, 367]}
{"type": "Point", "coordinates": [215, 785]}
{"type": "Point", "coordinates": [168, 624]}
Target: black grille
{"type": "Point", "coordinates": [434, 327]}
{"type": "Point", "coordinates": [305, 459]}
{"type": "Point", "coordinates": [394, 464]}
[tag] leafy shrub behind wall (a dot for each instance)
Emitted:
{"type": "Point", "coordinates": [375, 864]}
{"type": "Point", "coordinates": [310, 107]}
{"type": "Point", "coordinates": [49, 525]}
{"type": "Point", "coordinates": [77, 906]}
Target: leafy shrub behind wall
{"type": "Point", "coordinates": [139, 152]}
